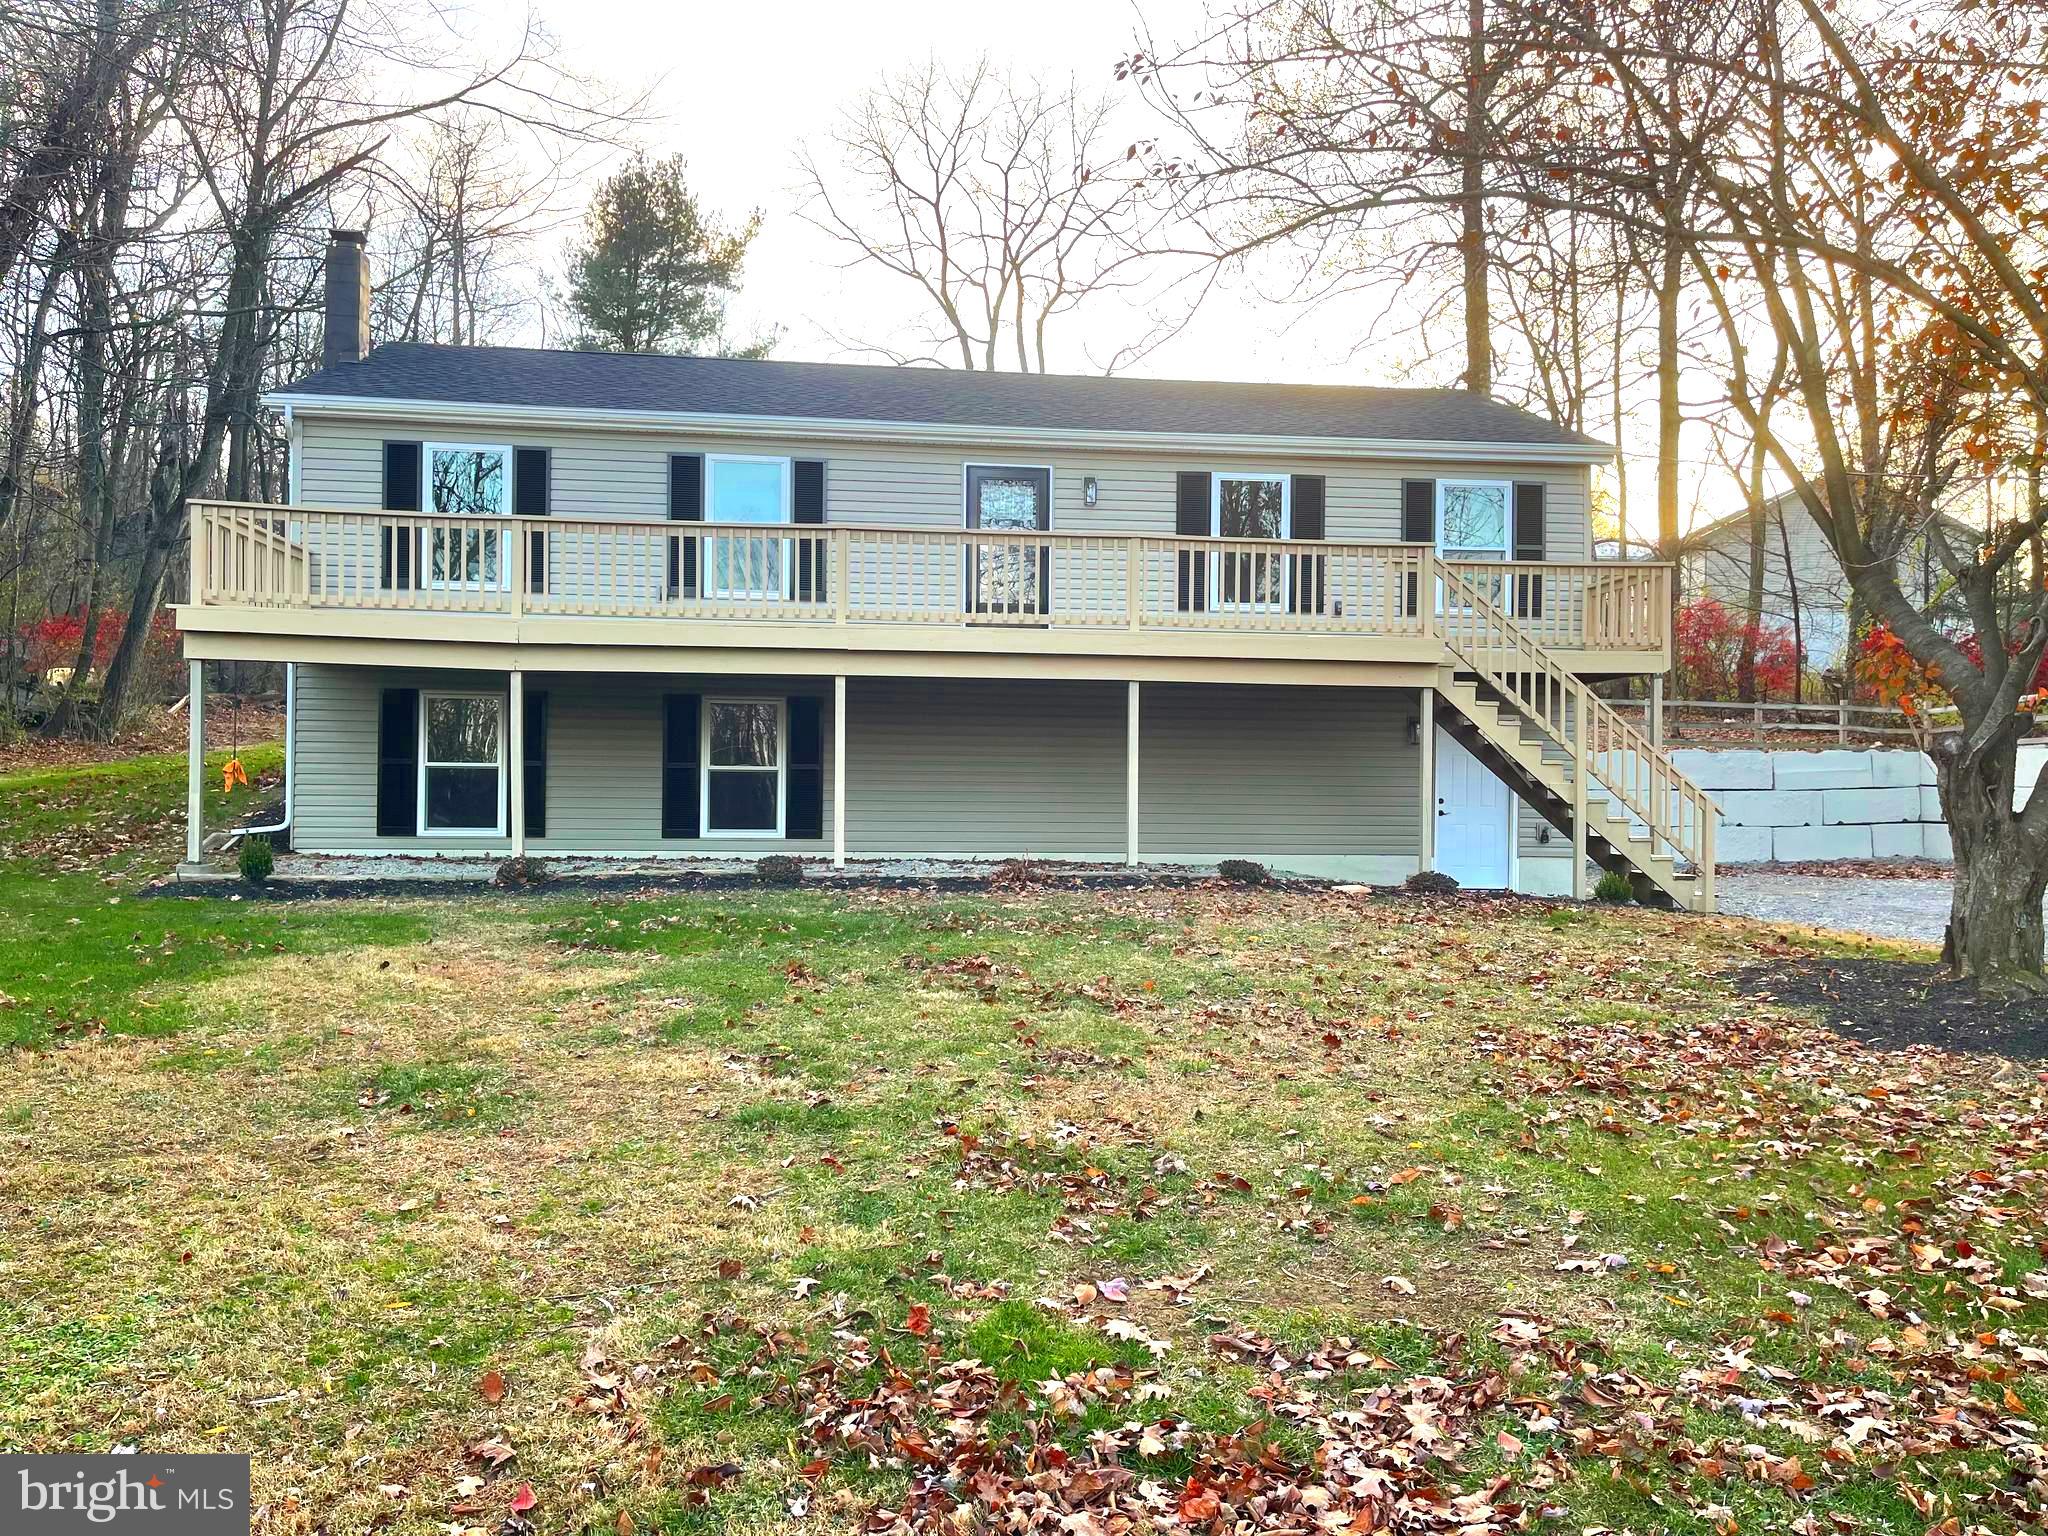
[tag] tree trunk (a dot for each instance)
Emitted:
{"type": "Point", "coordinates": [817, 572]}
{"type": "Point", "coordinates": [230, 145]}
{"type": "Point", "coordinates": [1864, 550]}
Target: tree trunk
{"type": "Point", "coordinates": [1995, 930]}
{"type": "Point", "coordinates": [1753, 597]}
{"type": "Point", "coordinates": [1472, 210]}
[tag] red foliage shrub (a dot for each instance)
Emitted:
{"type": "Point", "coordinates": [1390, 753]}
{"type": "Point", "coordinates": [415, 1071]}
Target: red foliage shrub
{"type": "Point", "coordinates": [1710, 642]}
{"type": "Point", "coordinates": [53, 642]}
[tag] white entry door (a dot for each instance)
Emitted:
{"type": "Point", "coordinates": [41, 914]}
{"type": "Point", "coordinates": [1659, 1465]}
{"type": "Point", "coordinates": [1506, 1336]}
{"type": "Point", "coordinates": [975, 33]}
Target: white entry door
{"type": "Point", "coordinates": [1474, 819]}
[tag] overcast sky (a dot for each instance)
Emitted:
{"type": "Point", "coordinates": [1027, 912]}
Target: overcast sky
{"type": "Point", "coordinates": [737, 87]}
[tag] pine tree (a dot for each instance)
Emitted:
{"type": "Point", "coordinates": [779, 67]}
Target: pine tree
{"type": "Point", "coordinates": [654, 269]}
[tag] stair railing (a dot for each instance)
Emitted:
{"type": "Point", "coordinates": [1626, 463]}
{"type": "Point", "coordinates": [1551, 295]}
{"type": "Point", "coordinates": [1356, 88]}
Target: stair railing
{"type": "Point", "coordinates": [1615, 754]}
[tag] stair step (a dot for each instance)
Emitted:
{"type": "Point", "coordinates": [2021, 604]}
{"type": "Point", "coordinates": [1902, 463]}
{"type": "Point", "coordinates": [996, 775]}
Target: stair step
{"type": "Point", "coordinates": [1523, 748]}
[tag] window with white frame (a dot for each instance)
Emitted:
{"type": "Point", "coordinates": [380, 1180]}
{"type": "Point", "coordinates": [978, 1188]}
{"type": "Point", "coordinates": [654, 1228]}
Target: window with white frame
{"type": "Point", "coordinates": [745, 745]}
{"type": "Point", "coordinates": [466, 480]}
{"type": "Point", "coordinates": [462, 763]}
{"type": "Point", "coordinates": [1248, 506]}
{"type": "Point", "coordinates": [746, 489]}
{"type": "Point", "coordinates": [1472, 518]}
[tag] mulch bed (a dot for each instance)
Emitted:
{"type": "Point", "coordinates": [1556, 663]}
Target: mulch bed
{"type": "Point", "coordinates": [1849, 869]}
{"type": "Point", "coordinates": [1891, 1004]}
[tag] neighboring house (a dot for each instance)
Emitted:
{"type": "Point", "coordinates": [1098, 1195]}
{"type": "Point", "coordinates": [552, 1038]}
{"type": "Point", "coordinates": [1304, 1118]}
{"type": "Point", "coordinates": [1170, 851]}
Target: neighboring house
{"type": "Point", "coordinates": [585, 604]}
{"type": "Point", "coordinates": [1803, 580]}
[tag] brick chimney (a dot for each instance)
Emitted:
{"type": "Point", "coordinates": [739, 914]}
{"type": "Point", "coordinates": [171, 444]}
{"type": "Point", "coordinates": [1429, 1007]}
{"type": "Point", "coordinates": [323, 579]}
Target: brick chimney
{"type": "Point", "coordinates": [346, 338]}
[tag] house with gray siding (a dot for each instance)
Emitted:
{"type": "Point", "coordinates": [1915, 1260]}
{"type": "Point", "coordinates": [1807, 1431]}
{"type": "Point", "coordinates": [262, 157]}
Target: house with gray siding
{"type": "Point", "coordinates": [1804, 588]}
{"type": "Point", "coordinates": [582, 604]}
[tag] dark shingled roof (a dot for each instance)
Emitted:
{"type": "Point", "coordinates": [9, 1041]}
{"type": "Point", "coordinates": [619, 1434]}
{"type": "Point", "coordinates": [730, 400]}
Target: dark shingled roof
{"type": "Point", "coordinates": [601, 381]}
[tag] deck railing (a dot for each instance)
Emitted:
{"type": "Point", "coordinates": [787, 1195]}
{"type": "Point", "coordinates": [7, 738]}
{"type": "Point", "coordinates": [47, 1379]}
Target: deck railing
{"type": "Point", "coordinates": [1608, 754]}
{"type": "Point", "coordinates": [300, 557]}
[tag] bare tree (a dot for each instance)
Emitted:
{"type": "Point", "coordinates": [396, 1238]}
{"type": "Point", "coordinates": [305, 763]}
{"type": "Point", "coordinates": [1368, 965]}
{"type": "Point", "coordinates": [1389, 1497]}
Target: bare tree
{"type": "Point", "coordinates": [1854, 200]}
{"type": "Point", "coordinates": [282, 111]}
{"type": "Point", "coordinates": [458, 260]}
{"type": "Point", "coordinates": [1002, 203]}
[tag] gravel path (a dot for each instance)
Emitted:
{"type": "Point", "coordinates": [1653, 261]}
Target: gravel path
{"type": "Point", "coordinates": [1889, 909]}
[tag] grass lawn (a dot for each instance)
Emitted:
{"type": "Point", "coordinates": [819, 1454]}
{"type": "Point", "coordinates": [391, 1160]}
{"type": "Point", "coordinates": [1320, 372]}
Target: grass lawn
{"type": "Point", "coordinates": [841, 1210]}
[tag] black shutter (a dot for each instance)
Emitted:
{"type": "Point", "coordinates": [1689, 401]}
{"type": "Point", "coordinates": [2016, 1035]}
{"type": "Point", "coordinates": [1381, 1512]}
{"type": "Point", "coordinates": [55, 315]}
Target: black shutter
{"type": "Point", "coordinates": [531, 470]}
{"type": "Point", "coordinates": [681, 809]}
{"type": "Point", "coordinates": [1418, 511]}
{"type": "Point", "coordinates": [685, 505]}
{"type": "Point", "coordinates": [803, 783]}
{"type": "Point", "coordinates": [398, 763]}
{"type": "Point", "coordinates": [1310, 576]}
{"type": "Point", "coordinates": [1418, 526]}
{"type": "Point", "coordinates": [1529, 546]}
{"type": "Point", "coordinates": [1191, 512]}
{"type": "Point", "coordinates": [397, 549]}
{"type": "Point", "coordinates": [807, 508]}
{"type": "Point", "coordinates": [533, 756]}
{"type": "Point", "coordinates": [530, 467]}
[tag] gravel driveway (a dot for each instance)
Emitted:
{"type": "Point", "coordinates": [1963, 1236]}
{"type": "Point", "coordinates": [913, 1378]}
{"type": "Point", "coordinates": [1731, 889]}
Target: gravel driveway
{"type": "Point", "coordinates": [1889, 909]}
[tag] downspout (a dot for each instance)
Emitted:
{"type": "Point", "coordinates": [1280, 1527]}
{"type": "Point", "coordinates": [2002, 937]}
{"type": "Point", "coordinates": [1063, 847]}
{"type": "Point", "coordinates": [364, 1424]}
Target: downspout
{"type": "Point", "coordinates": [291, 668]}
{"type": "Point", "coordinates": [291, 731]}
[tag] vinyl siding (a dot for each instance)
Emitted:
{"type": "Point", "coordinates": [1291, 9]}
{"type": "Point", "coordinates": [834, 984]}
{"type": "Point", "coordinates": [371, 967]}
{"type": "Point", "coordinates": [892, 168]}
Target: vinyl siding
{"type": "Point", "coordinates": [604, 761]}
{"type": "Point", "coordinates": [1269, 773]}
{"type": "Point", "coordinates": [625, 475]}
{"type": "Point", "coordinates": [1297, 777]}
{"type": "Point", "coordinates": [985, 769]}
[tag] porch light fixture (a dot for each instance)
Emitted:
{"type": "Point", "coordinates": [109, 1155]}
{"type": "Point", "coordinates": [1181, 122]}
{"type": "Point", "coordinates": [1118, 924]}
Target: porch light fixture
{"type": "Point", "coordinates": [1415, 730]}
{"type": "Point", "coordinates": [1088, 491]}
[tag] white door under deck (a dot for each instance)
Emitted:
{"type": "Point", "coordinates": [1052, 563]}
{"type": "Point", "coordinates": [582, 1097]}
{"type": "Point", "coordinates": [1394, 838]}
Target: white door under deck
{"type": "Point", "coordinates": [1475, 819]}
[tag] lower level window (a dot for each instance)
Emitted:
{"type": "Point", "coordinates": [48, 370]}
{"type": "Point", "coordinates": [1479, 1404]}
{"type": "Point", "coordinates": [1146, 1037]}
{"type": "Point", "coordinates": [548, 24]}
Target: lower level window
{"type": "Point", "coordinates": [462, 763]}
{"type": "Point", "coordinates": [743, 760]}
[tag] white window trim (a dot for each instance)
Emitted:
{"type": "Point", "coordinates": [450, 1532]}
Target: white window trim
{"type": "Point", "coordinates": [1216, 479]}
{"type": "Point", "coordinates": [1507, 524]}
{"type": "Point", "coordinates": [705, 770]}
{"type": "Point", "coordinates": [788, 483]}
{"type": "Point", "coordinates": [504, 714]}
{"type": "Point", "coordinates": [427, 452]}
{"type": "Point", "coordinates": [788, 519]}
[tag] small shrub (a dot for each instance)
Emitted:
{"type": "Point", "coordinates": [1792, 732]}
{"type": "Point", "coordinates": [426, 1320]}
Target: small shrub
{"type": "Point", "coordinates": [1244, 872]}
{"type": "Point", "coordinates": [1614, 886]}
{"type": "Point", "coordinates": [1017, 875]}
{"type": "Point", "coordinates": [256, 859]}
{"type": "Point", "coordinates": [517, 874]}
{"type": "Point", "coordinates": [779, 869]}
{"type": "Point", "coordinates": [1430, 882]}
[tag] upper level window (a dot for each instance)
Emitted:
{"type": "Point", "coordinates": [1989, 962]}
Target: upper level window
{"type": "Point", "coordinates": [467, 481]}
{"type": "Point", "coordinates": [1250, 507]}
{"type": "Point", "coordinates": [1472, 518]}
{"type": "Point", "coordinates": [744, 489]}
{"type": "Point", "coordinates": [463, 481]}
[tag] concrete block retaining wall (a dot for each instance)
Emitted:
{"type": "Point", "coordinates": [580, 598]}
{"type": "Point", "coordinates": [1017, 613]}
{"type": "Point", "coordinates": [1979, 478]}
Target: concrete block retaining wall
{"type": "Point", "coordinates": [1831, 805]}
{"type": "Point", "coordinates": [1789, 806]}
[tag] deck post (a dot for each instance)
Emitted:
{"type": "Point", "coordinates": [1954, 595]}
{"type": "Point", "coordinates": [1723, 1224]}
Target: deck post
{"type": "Point", "coordinates": [839, 768]}
{"type": "Point", "coordinates": [1426, 722]}
{"type": "Point", "coordinates": [1578, 727]}
{"type": "Point", "coordinates": [195, 765]}
{"type": "Point", "coordinates": [1657, 709]}
{"type": "Point", "coordinates": [1131, 732]}
{"type": "Point", "coordinates": [515, 762]}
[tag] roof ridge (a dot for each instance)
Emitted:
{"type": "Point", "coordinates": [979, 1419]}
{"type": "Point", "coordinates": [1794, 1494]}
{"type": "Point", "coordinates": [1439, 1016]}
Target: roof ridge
{"type": "Point", "coordinates": [1004, 376]}
{"type": "Point", "coordinates": [957, 400]}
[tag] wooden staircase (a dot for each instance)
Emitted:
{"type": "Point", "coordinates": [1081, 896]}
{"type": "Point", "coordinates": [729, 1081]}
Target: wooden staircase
{"type": "Point", "coordinates": [1566, 752]}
